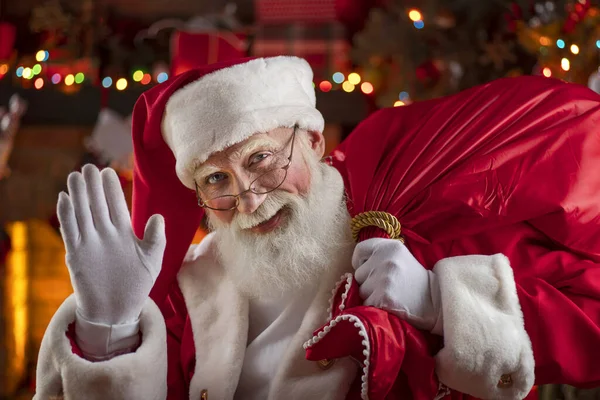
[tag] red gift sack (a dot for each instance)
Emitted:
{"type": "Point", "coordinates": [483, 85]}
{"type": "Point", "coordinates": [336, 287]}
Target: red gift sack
{"type": "Point", "coordinates": [509, 167]}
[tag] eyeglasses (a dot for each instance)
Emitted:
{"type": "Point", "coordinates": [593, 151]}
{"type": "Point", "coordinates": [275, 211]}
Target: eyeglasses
{"type": "Point", "coordinates": [263, 184]}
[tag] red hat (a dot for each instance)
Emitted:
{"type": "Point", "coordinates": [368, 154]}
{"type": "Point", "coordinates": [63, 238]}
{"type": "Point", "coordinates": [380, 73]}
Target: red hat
{"type": "Point", "coordinates": [178, 124]}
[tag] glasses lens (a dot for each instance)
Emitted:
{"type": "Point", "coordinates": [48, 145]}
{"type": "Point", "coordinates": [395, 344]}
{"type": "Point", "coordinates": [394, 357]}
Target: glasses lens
{"type": "Point", "coordinates": [268, 182]}
{"type": "Point", "coordinates": [222, 203]}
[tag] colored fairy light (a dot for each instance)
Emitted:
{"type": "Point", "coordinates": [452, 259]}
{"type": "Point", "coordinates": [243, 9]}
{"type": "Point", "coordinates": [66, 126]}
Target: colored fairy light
{"type": "Point", "coordinates": [403, 96]}
{"type": "Point", "coordinates": [163, 76]}
{"type": "Point", "coordinates": [121, 84]}
{"type": "Point", "coordinates": [79, 77]}
{"type": "Point", "coordinates": [3, 69]}
{"type": "Point", "coordinates": [107, 82]}
{"type": "Point", "coordinates": [27, 73]}
{"type": "Point", "coordinates": [37, 68]}
{"type": "Point", "coordinates": [69, 80]}
{"type": "Point", "coordinates": [547, 72]}
{"type": "Point", "coordinates": [560, 44]}
{"type": "Point", "coordinates": [138, 75]}
{"type": "Point", "coordinates": [39, 83]}
{"type": "Point", "coordinates": [19, 71]}
{"type": "Point", "coordinates": [146, 79]}
{"type": "Point", "coordinates": [354, 78]}
{"type": "Point", "coordinates": [338, 77]}
{"type": "Point", "coordinates": [598, 43]}
{"type": "Point", "coordinates": [415, 15]}
{"type": "Point", "coordinates": [574, 49]}
{"type": "Point", "coordinates": [399, 103]}
{"type": "Point", "coordinates": [347, 86]}
{"type": "Point", "coordinates": [56, 78]}
{"type": "Point", "coordinates": [565, 64]}
{"type": "Point", "coordinates": [366, 88]}
{"type": "Point", "coordinates": [419, 24]}
{"type": "Point", "coordinates": [325, 86]}
{"type": "Point", "coordinates": [42, 56]}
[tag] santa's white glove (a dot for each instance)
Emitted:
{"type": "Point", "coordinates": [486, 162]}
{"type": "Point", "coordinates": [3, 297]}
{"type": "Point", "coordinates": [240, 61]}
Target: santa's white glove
{"type": "Point", "coordinates": [392, 279]}
{"type": "Point", "coordinates": [111, 270]}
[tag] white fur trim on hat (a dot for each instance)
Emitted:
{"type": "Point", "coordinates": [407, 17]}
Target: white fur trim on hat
{"type": "Point", "coordinates": [229, 105]}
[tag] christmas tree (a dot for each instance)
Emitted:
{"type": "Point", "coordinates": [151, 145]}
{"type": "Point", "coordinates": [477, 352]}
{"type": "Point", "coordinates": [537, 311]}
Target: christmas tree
{"type": "Point", "coordinates": [417, 50]}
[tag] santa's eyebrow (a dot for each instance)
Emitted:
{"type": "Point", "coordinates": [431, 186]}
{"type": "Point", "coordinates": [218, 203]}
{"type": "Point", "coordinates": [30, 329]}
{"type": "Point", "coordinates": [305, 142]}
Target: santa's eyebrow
{"type": "Point", "coordinates": [208, 168]}
{"type": "Point", "coordinates": [252, 146]}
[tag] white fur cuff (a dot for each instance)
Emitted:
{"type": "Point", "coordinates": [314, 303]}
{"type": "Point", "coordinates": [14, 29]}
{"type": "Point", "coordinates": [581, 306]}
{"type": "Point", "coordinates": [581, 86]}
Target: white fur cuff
{"type": "Point", "coordinates": [138, 375]}
{"type": "Point", "coordinates": [487, 352]}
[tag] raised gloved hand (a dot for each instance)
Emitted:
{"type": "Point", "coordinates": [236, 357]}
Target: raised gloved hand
{"type": "Point", "coordinates": [112, 271]}
{"type": "Point", "coordinates": [392, 279]}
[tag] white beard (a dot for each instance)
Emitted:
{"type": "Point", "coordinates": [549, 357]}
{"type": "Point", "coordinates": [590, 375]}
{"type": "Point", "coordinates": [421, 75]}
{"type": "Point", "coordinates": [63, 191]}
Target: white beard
{"type": "Point", "coordinates": [314, 236]}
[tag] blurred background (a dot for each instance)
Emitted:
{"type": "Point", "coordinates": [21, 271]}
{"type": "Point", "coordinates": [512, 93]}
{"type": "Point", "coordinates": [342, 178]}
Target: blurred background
{"type": "Point", "coordinates": [71, 71]}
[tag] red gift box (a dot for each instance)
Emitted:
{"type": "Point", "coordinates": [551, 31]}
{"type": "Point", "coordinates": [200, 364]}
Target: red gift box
{"type": "Point", "coordinates": [293, 11]}
{"type": "Point", "coordinates": [191, 50]}
{"type": "Point", "coordinates": [323, 46]}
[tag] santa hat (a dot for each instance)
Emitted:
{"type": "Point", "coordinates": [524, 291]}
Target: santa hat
{"type": "Point", "coordinates": [181, 122]}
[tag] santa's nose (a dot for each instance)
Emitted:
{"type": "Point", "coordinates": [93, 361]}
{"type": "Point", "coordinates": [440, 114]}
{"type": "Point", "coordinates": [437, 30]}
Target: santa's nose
{"type": "Point", "coordinates": [249, 202]}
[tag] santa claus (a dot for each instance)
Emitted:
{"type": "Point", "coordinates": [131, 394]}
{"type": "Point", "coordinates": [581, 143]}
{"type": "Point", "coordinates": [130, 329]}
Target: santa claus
{"type": "Point", "coordinates": [242, 144]}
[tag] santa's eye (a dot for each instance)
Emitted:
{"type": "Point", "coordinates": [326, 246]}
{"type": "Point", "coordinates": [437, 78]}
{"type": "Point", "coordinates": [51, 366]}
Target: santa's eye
{"type": "Point", "coordinates": [259, 157]}
{"type": "Point", "coordinates": [215, 178]}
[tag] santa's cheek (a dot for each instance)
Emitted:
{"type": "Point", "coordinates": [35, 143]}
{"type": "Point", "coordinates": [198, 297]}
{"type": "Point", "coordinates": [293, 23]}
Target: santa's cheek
{"type": "Point", "coordinates": [298, 182]}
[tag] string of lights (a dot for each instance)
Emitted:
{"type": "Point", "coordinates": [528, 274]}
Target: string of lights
{"type": "Point", "coordinates": [40, 74]}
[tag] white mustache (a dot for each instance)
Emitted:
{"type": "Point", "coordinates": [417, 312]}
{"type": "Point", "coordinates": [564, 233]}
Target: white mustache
{"type": "Point", "coordinates": [272, 204]}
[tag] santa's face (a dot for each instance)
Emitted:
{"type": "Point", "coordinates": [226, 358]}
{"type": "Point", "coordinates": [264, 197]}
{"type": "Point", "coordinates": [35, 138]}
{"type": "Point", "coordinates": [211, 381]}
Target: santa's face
{"type": "Point", "coordinates": [279, 241]}
{"type": "Point", "coordinates": [236, 169]}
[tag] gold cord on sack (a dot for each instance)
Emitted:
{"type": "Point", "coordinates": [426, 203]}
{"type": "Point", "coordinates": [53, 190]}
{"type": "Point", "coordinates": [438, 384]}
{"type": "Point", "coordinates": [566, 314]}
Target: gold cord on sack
{"type": "Point", "coordinates": [379, 219]}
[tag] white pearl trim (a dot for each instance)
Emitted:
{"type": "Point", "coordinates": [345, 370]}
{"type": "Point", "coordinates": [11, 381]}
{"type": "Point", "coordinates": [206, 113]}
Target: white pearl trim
{"type": "Point", "coordinates": [347, 278]}
{"type": "Point", "coordinates": [362, 331]}
{"type": "Point", "coordinates": [443, 391]}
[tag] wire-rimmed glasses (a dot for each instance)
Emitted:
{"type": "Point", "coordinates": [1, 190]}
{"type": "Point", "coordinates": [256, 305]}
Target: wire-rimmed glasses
{"type": "Point", "coordinates": [263, 184]}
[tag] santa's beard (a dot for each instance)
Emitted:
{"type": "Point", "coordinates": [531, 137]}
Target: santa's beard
{"type": "Point", "coordinates": [313, 236]}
